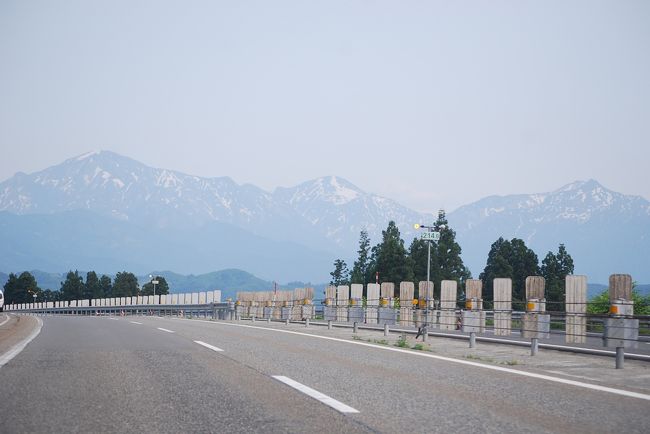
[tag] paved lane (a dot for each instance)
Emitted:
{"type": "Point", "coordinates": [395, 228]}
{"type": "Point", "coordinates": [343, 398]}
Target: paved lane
{"type": "Point", "coordinates": [95, 375]}
{"type": "Point", "coordinates": [144, 374]}
{"type": "Point", "coordinates": [397, 392]}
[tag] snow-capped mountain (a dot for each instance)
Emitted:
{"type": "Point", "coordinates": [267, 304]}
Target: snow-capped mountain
{"type": "Point", "coordinates": [605, 231]}
{"type": "Point", "coordinates": [106, 208]}
{"type": "Point", "coordinates": [325, 213]}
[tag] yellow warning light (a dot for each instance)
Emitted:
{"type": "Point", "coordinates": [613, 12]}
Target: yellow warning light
{"type": "Point", "coordinates": [415, 302]}
{"type": "Point", "coordinates": [468, 304]}
{"type": "Point", "coordinates": [383, 302]}
{"type": "Point", "coordinates": [328, 301]}
{"type": "Point", "coordinates": [416, 226]}
{"type": "Point", "coordinates": [613, 309]}
{"type": "Point", "coordinates": [306, 301]}
{"type": "Point", "coordinates": [530, 306]}
{"type": "Point", "coordinates": [238, 303]}
{"type": "Point", "coordinates": [353, 302]}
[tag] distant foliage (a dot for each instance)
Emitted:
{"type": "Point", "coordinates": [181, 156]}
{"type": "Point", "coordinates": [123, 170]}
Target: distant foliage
{"type": "Point", "coordinates": [20, 289]}
{"type": "Point", "coordinates": [161, 287]}
{"type": "Point", "coordinates": [340, 275]}
{"type": "Point", "coordinates": [361, 272]}
{"type": "Point", "coordinates": [509, 259]}
{"type": "Point", "coordinates": [73, 288]}
{"type": "Point", "coordinates": [125, 285]}
{"type": "Point", "coordinates": [555, 268]}
{"type": "Point", "coordinates": [600, 303]}
{"type": "Point", "coordinates": [389, 257]}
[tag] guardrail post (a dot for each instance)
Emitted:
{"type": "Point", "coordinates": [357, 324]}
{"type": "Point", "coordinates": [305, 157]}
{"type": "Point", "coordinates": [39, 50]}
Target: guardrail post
{"type": "Point", "coordinates": [329, 324]}
{"type": "Point", "coordinates": [306, 322]}
{"type": "Point", "coordinates": [533, 346]}
{"type": "Point", "coordinates": [355, 328]}
{"type": "Point", "coordinates": [620, 357]}
{"type": "Point", "coordinates": [286, 321]}
{"type": "Point", "coordinates": [472, 339]}
{"type": "Point", "coordinates": [386, 329]}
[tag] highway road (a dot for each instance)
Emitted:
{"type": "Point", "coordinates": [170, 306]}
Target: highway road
{"type": "Point", "coordinates": [148, 374]}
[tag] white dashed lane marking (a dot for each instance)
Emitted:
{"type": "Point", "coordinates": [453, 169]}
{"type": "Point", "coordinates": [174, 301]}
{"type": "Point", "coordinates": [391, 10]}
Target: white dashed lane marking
{"type": "Point", "coordinates": [327, 400]}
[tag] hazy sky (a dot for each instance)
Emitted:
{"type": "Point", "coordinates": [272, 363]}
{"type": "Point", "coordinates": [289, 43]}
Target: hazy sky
{"type": "Point", "coordinates": [431, 103]}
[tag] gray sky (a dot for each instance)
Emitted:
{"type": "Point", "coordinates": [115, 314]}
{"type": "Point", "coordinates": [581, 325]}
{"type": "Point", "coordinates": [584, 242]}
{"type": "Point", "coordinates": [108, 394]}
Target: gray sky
{"type": "Point", "coordinates": [431, 103]}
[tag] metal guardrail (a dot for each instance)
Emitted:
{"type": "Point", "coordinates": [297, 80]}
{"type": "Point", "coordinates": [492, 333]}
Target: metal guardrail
{"type": "Point", "coordinates": [217, 311]}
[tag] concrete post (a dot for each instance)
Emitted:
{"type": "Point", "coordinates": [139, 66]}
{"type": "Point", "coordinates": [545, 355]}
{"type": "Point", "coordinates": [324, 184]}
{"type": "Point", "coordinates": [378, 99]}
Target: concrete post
{"type": "Point", "coordinates": [472, 340]}
{"type": "Point", "coordinates": [355, 328]}
{"type": "Point", "coordinates": [306, 322]}
{"type": "Point", "coordinates": [329, 324]}
{"type": "Point", "coordinates": [576, 309]}
{"type": "Point", "coordinates": [385, 329]}
{"type": "Point", "coordinates": [502, 306]}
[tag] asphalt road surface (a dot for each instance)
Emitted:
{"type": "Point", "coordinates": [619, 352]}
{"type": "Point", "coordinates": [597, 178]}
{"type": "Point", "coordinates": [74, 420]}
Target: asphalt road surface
{"type": "Point", "coordinates": [143, 374]}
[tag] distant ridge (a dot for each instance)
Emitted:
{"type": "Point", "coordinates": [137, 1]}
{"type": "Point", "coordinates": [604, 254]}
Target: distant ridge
{"type": "Point", "coordinates": [104, 210]}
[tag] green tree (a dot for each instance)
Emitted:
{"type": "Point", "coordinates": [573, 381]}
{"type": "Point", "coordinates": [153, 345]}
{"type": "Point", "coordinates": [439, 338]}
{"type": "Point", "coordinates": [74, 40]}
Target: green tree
{"type": "Point", "coordinates": [446, 263]}
{"type": "Point", "coordinates": [600, 303]}
{"type": "Point", "coordinates": [92, 287]}
{"type": "Point", "coordinates": [509, 259]}
{"type": "Point", "coordinates": [340, 275]}
{"type": "Point", "coordinates": [417, 261]}
{"type": "Point", "coordinates": [73, 287]}
{"type": "Point", "coordinates": [161, 287]}
{"type": "Point", "coordinates": [49, 295]}
{"type": "Point", "coordinates": [361, 269]}
{"type": "Point", "coordinates": [125, 285]}
{"type": "Point", "coordinates": [20, 289]}
{"type": "Point", "coordinates": [389, 257]}
{"type": "Point", "coordinates": [554, 269]}
{"type": "Point", "coordinates": [105, 286]}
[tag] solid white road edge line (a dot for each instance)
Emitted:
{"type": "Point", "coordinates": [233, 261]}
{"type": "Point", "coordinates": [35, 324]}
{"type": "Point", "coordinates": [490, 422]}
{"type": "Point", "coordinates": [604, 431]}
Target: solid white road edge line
{"type": "Point", "coordinates": [16, 349]}
{"type": "Point", "coordinates": [5, 321]}
{"type": "Point", "coordinates": [212, 347]}
{"type": "Point", "coordinates": [596, 387]}
{"type": "Point", "coordinates": [135, 322]}
{"type": "Point", "coordinates": [165, 330]}
{"type": "Point", "coordinates": [327, 400]}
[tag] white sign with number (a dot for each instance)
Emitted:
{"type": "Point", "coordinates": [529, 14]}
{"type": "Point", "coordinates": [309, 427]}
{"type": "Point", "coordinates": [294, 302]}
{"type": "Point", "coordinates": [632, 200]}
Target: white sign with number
{"type": "Point", "coordinates": [430, 236]}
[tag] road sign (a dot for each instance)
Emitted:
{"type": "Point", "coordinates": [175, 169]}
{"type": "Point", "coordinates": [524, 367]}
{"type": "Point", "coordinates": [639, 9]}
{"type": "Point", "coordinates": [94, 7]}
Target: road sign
{"type": "Point", "coordinates": [430, 236]}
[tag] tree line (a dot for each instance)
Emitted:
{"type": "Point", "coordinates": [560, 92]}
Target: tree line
{"type": "Point", "coordinates": [22, 288]}
{"type": "Point", "coordinates": [391, 261]}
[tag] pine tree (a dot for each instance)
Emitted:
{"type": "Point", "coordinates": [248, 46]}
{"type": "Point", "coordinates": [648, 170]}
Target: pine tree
{"type": "Point", "coordinates": [340, 275]}
{"type": "Point", "coordinates": [417, 260]}
{"type": "Point", "coordinates": [389, 257]}
{"type": "Point", "coordinates": [92, 287]}
{"type": "Point", "coordinates": [125, 285]}
{"type": "Point", "coordinates": [73, 287]}
{"type": "Point", "coordinates": [361, 269]}
{"type": "Point", "coordinates": [105, 286]}
{"type": "Point", "coordinates": [524, 263]}
{"type": "Point", "coordinates": [445, 255]}
{"type": "Point", "coordinates": [555, 268]}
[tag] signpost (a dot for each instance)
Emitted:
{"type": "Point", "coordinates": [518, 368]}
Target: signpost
{"type": "Point", "coordinates": [430, 235]}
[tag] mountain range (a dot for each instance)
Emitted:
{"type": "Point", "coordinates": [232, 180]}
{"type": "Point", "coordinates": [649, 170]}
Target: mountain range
{"type": "Point", "coordinates": [107, 212]}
